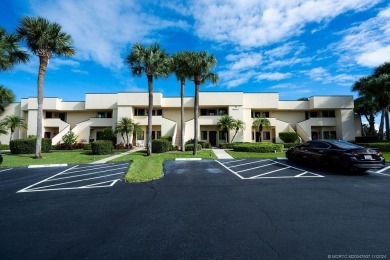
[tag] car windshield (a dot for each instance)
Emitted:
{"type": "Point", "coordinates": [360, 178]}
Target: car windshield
{"type": "Point", "coordinates": [344, 144]}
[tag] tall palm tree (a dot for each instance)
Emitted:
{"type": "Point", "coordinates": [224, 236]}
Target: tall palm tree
{"type": "Point", "coordinates": [44, 39]}
{"type": "Point", "coordinates": [10, 52]}
{"type": "Point", "coordinates": [238, 125]}
{"type": "Point", "coordinates": [12, 123]}
{"type": "Point", "coordinates": [200, 65]}
{"type": "Point", "coordinates": [261, 123]}
{"type": "Point", "coordinates": [155, 63]}
{"type": "Point", "coordinates": [181, 70]}
{"type": "Point", "coordinates": [6, 97]}
{"type": "Point", "coordinates": [125, 127]}
{"type": "Point", "coordinates": [225, 123]}
{"type": "Point", "coordinates": [367, 107]}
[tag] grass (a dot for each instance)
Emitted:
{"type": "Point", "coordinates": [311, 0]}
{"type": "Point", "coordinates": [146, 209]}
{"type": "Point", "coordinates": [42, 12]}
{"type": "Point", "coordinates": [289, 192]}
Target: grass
{"type": "Point", "coordinates": [55, 157]}
{"type": "Point", "coordinates": [387, 156]}
{"type": "Point", "coordinates": [244, 155]}
{"type": "Point", "coordinates": [147, 168]}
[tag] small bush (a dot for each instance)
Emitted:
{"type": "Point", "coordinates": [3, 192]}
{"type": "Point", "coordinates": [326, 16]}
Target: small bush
{"type": "Point", "coordinates": [101, 147]}
{"type": "Point", "coordinates": [28, 146]}
{"type": "Point", "coordinates": [160, 146]}
{"type": "Point", "coordinates": [289, 145]}
{"type": "Point", "coordinates": [4, 147]}
{"type": "Point", "coordinates": [367, 139]}
{"type": "Point", "coordinates": [166, 137]}
{"type": "Point", "coordinates": [190, 147]}
{"type": "Point", "coordinates": [288, 137]}
{"type": "Point", "coordinates": [69, 139]}
{"type": "Point", "coordinates": [258, 147]}
{"type": "Point", "coordinates": [87, 147]}
{"type": "Point", "coordinates": [202, 143]}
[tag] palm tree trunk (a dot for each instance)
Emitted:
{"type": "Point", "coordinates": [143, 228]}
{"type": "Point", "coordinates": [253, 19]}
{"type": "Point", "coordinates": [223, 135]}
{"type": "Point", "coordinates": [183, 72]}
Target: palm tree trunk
{"type": "Point", "coordinates": [150, 111]}
{"type": "Point", "coordinates": [10, 137]}
{"type": "Point", "coordinates": [381, 125]}
{"type": "Point", "coordinates": [183, 148]}
{"type": "Point", "coordinates": [387, 125]}
{"type": "Point", "coordinates": [196, 115]}
{"type": "Point", "coordinates": [43, 61]}
{"type": "Point", "coordinates": [234, 135]}
{"type": "Point", "coordinates": [127, 141]}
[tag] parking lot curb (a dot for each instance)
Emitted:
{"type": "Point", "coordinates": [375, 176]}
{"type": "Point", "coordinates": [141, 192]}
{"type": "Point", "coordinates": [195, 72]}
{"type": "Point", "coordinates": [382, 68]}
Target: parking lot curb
{"type": "Point", "coordinates": [47, 165]}
{"type": "Point", "coordinates": [188, 159]}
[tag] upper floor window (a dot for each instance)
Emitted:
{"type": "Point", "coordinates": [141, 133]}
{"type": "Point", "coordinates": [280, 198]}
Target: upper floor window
{"type": "Point", "coordinates": [260, 114]}
{"type": "Point", "coordinates": [328, 113]}
{"type": "Point", "coordinates": [104, 114]}
{"type": "Point", "coordinates": [144, 112]}
{"type": "Point", "coordinates": [213, 111]}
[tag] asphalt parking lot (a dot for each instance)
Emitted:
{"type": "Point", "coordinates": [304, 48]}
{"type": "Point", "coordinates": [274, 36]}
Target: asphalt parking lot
{"type": "Point", "coordinates": [241, 209]}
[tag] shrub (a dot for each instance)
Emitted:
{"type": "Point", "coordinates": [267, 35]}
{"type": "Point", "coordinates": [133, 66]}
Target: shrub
{"type": "Point", "coordinates": [258, 147]}
{"type": "Point", "coordinates": [160, 145]}
{"type": "Point", "coordinates": [383, 147]}
{"type": "Point", "coordinates": [202, 143]}
{"type": "Point", "coordinates": [288, 137]}
{"type": "Point", "coordinates": [289, 145]}
{"type": "Point", "coordinates": [166, 137]}
{"type": "Point", "coordinates": [101, 147]}
{"type": "Point", "coordinates": [87, 147]}
{"type": "Point", "coordinates": [107, 134]}
{"type": "Point", "coordinates": [69, 139]}
{"type": "Point", "coordinates": [4, 147]}
{"type": "Point", "coordinates": [28, 146]}
{"type": "Point", "coordinates": [190, 147]}
{"type": "Point", "coordinates": [367, 139]}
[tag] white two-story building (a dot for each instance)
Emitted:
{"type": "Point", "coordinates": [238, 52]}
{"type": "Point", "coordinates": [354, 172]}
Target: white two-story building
{"type": "Point", "coordinates": [319, 117]}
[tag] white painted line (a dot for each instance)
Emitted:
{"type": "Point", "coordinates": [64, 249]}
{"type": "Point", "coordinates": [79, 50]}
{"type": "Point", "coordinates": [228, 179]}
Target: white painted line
{"type": "Point", "coordinates": [235, 161]}
{"type": "Point", "coordinates": [188, 159]}
{"type": "Point", "coordinates": [100, 166]}
{"type": "Point", "coordinates": [281, 169]}
{"type": "Point", "coordinates": [47, 165]}
{"type": "Point", "coordinates": [281, 158]}
{"type": "Point", "coordinates": [265, 165]}
{"type": "Point", "coordinates": [95, 172]}
{"type": "Point", "coordinates": [247, 163]}
{"type": "Point", "coordinates": [5, 170]}
{"type": "Point", "coordinates": [382, 174]}
{"type": "Point", "coordinates": [299, 175]}
{"type": "Point", "coordinates": [239, 176]}
{"type": "Point", "coordinates": [23, 190]}
{"type": "Point", "coordinates": [41, 187]}
{"type": "Point", "coordinates": [383, 169]}
{"type": "Point", "coordinates": [82, 187]}
{"type": "Point", "coordinates": [83, 169]}
{"type": "Point", "coordinates": [97, 185]}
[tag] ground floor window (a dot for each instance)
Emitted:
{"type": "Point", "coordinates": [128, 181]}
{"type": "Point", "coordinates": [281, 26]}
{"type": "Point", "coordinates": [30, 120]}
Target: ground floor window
{"type": "Point", "coordinates": [203, 135]}
{"type": "Point", "coordinates": [329, 134]}
{"type": "Point", "coordinates": [221, 135]}
{"type": "Point", "coordinates": [156, 135]}
{"type": "Point", "coordinates": [266, 136]}
{"type": "Point", "coordinates": [141, 135]}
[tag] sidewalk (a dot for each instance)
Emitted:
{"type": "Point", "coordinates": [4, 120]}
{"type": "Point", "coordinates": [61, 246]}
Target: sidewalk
{"type": "Point", "coordinates": [135, 149]}
{"type": "Point", "coordinates": [221, 154]}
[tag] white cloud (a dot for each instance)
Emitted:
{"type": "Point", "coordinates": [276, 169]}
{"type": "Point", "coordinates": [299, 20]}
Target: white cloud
{"type": "Point", "coordinates": [101, 30]}
{"type": "Point", "coordinates": [323, 75]}
{"type": "Point", "coordinates": [366, 44]}
{"type": "Point", "coordinates": [273, 76]}
{"type": "Point", "coordinates": [244, 61]}
{"type": "Point", "coordinates": [259, 23]}
{"type": "Point", "coordinates": [56, 63]}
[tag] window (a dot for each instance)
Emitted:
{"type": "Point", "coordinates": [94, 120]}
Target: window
{"type": "Point", "coordinates": [139, 112]}
{"type": "Point", "coordinates": [329, 134]}
{"type": "Point", "coordinates": [253, 135]}
{"type": "Point", "coordinates": [330, 113]}
{"type": "Point", "coordinates": [213, 111]}
{"type": "Point", "coordinates": [140, 135]}
{"type": "Point", "coordinates": [265, 114]}
{"type": "Point", "coordinates": [203, 135]}
{"type": "Point", "coordinates": [101, 115]}
{"type": "Point", "coordinates": [109, 114]}
{"type": "Point", "coordinates": [47, 135]}
{"type": "Point", "coordinates": [49, 115]}
{"type": "Point", "coordinates": [266, 136]}
{"type": "Point", "coordinates": [222, 112]}
{"type": "Point", "coordinates": [159, 112]}
{"type": "Point", "coordinates": [221, 135]}
{"type": "Point", "coordinates": [313, 114]}
{"type": "Point", "coordinates": [158, 134]}
{"type": "Point", "coordinates": [258, 114]}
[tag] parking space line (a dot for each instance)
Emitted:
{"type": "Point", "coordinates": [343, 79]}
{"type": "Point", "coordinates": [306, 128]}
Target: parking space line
{"type": "Point", "coordinates": [3, 170]}
{"type": "Point", "coordinates": [238, 175]}
{"type": "Point", "coordinates": [281, 169]}
{"type": "Point", "coordinates": [68, 177]}
{"type": "Point", "coordinates": [246, 163]}
{"type": "Point", "coordinates": [83, 169]}
{"type": "Point", "coordinates": [238, 160]}
{"type": "Point", "coordinates": [383, 169]}
{"type": "Point", "coordinates": [257, 167]}
{"type": "Point", "coordinates": [388, 175]}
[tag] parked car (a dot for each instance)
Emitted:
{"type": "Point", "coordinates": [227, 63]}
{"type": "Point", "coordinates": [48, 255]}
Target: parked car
{"type": "Point", "coordinates": [337, 153]}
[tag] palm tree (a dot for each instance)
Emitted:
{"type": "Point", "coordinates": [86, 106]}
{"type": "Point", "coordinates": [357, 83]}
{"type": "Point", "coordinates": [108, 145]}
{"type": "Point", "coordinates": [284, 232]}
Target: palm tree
{"type": "Point", "coordinates": [10, 52]}
{"type": "Point", "coordinates": [137, 128]}
{"type": "Point", "coordinates": [125, 127]}
{"type": "Point", "coordinates": [225, 123]}
{"type": "Point", "coordinates": [199, 67]}
{"type": "Point", "coordinates": [367, 107]}
{"type": "Point", "coordinates": [12, 123]}
{"type": "Point", "coordinates": [155, 63]}
{"type": "Point", "coordinates": [6, 97]}
{"type": "Point", "coordinates": [181, 70]}
{"type": "Point", "coordinates": [261, 123]}
{"type": "Point", "coordinates": [44, 39]}
{"type": "Point", "coordinates": [238, 125]}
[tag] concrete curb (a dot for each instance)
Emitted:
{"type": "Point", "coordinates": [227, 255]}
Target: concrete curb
{"type": "Point", "coordinates": [47, 165]}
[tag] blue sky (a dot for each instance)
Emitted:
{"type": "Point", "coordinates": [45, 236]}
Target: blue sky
{"type": "Point", "coordinates": [296, 48]}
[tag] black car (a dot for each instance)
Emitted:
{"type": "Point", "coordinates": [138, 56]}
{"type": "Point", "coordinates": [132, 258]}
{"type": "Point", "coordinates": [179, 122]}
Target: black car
{"type": "Point", "coordinates": [337, 153]}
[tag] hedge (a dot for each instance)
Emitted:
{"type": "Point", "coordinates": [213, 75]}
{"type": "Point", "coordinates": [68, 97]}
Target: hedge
{"type": "Point", "coordinates": [288, 137]}
{"type": "Point", "coordinates": [101, 147]}
{"type": "Point", "coordinates": [4, 147]}
{"type": "Point", "coordinates": [258, 147]}
{"type": "Point", "coordinates": [28, 146]}
{"type": "Point", "coordinates": [289, 145]}
{"type": "Point", "coordinates": [383, 147]}
{"type": "Point", "coordinates": [367, 139]}
{"type": "Point", "coordinates": [202, 143]}
{"type": "Point", "coordinates": [161, 146]}
{"type": "Point", "coordinates": [190, 147]}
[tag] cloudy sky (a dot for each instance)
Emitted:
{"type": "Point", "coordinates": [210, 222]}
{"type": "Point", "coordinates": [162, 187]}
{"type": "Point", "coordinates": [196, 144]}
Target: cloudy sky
{"type": "Point", "coordinates": [296, 48]}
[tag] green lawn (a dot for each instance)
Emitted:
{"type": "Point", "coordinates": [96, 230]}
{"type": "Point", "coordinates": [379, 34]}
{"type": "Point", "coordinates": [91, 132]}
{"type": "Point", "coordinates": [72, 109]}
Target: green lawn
{"type": "Point", "coordinates": [146, 168]}
{"type": "Point", "coordinates": [244, 155]}
{"type": "Point", "coordinates": [55, 157]}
